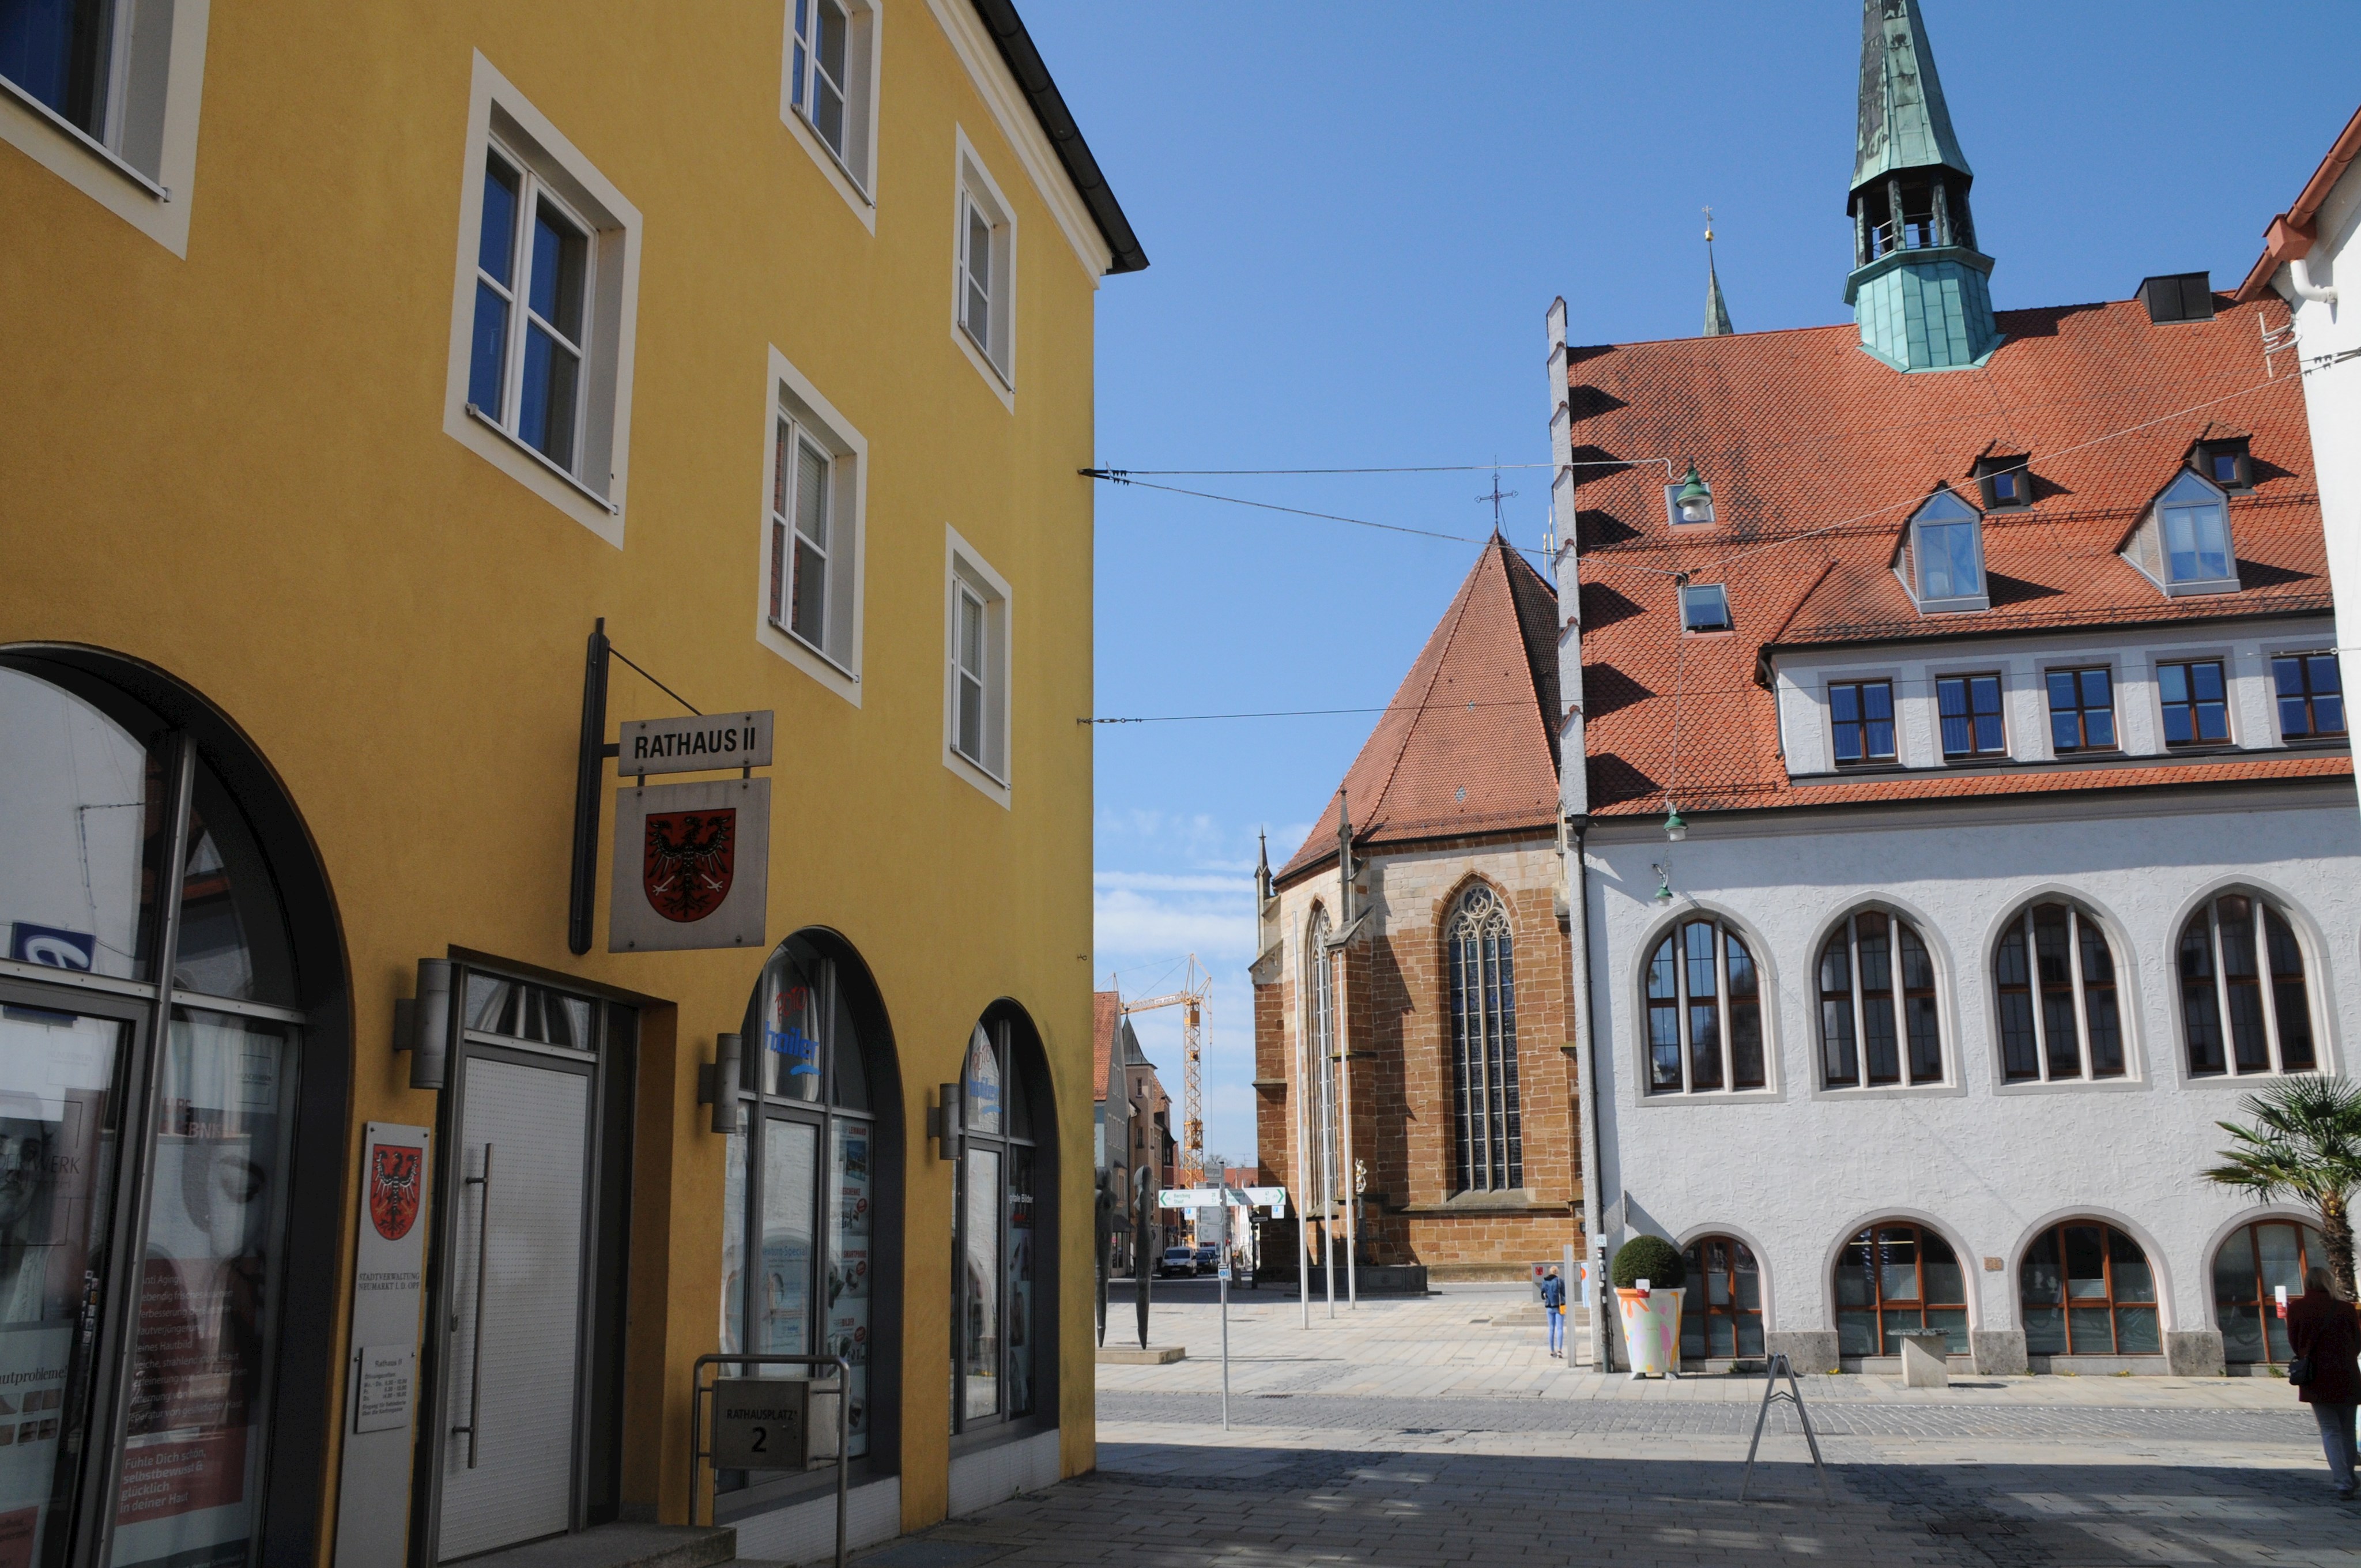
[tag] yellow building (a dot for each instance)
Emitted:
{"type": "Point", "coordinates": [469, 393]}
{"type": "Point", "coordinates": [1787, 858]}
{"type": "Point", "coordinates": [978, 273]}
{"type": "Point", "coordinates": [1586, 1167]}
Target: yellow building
{"type": "Point", "coordinates": [368, 369]}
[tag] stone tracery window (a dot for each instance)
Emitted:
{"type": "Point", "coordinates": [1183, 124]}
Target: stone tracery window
{"type": "Point", "coordinates": [1483, 990]}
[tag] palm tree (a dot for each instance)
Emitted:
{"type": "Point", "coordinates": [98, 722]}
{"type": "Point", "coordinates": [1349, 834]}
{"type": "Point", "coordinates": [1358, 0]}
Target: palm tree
{"type": "Point", "coordinates": [2305, 1143]}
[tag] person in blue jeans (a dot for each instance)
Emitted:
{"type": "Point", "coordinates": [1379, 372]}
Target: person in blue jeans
{"type": "Point", "coordinates": [1553, 1304]}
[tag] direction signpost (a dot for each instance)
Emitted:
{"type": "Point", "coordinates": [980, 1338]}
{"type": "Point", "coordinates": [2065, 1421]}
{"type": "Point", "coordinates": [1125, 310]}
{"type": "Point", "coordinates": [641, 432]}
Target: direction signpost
{"type": "Point", "coordinates": [1222, 1201]}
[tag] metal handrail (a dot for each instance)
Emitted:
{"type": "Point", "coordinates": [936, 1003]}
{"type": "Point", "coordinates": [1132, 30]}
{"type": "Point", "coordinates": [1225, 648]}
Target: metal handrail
{"type": "Point", "coordinates": [698, 1453]}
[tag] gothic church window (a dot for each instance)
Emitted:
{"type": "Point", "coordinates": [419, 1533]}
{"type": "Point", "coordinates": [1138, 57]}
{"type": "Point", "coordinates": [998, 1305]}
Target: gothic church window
{"type": "Point", "coordinates": [1705, 1011]}
{"type": "Point", "coordinates": [1484, 1044]}
{"type": "Point", "coordinates": [1320, 1047]}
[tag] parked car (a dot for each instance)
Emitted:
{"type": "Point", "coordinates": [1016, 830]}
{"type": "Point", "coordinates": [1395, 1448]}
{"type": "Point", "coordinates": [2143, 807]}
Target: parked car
{"type": "Point", "coordinates": [1177, 1260]}
{"type": "Point", "coordinates": [1209, 1259]}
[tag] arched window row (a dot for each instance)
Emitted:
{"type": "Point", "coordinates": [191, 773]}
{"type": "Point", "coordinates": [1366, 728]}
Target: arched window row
{"type": "Point", "coordinates": [2244, 997]}
{"type": "Point", "coordinates": [1482, 997]}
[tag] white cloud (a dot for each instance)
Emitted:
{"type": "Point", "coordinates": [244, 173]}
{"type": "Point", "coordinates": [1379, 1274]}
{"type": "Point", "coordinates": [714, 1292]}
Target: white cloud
{"type": "Point", "coordinates": [1167, 882]}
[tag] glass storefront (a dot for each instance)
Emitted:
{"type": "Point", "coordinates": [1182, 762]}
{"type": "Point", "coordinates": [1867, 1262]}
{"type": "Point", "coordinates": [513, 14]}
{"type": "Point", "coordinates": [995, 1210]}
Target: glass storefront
{"type": "Point", "coordinates": [799, 1209]}
{"type": "Point", "coordinates": [144, 1138]}
{"type": "Point", "coordinates": [994, 1325]}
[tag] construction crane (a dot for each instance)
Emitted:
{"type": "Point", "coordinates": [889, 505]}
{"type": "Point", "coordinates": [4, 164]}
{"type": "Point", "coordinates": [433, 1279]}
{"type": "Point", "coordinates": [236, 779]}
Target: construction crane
{"type": "Point", "coordinates": [1191, 999]}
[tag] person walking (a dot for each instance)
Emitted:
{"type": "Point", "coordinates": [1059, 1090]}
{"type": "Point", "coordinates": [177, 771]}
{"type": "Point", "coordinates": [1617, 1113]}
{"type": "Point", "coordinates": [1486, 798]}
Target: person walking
{"type": "Point", "coordinates": [1553, 1305]}
{"type": "Point", "coordinates": [2325, 1334]}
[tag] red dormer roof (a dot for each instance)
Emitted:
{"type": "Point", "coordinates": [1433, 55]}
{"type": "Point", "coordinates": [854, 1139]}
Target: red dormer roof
{"type": "Point", "coordinates": [1817, 455]}
{"type": "Point", "coordinates": [1467, 746]}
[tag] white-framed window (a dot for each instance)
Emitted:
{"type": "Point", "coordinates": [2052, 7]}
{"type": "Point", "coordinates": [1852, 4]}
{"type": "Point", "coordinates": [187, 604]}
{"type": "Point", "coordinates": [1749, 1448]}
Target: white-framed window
{"type": "Point", "coordinates": [984, 316]}
{"type": "Point", "coordinates": [2183, 542]}
{"type": "Point", "coordinates": [975, 674]}
{"type": "Point", "coordinates": [532, 285]}
{"type": "Point", "coordinates": [827, 92]}
{"type": "Point", "coordinates": [1703, 999]}
{"type": "Point", "coordinates": [1881, 1024]}
{"type": "Point", "coordinates": [103, 93]}
{"type": "Point", "coordinates": [2061, 1019]}
{"type": "Point", "coordinates": [1944, 563]}
{"type": "Point", "coordinates": [814, 472]}
{"type": "Point", "coordinates": [2245, 1008]}
{"type": "Point", "coordinates": [543, 310]}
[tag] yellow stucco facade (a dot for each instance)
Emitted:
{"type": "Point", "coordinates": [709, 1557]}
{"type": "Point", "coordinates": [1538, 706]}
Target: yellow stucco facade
{"type": "Point", "coordinates": [227, 452]}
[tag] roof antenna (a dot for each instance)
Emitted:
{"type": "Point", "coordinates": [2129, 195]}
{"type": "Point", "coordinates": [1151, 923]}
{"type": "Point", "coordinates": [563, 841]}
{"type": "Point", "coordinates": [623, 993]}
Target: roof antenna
{"type": "Point", "coordinates": [1497, 495]}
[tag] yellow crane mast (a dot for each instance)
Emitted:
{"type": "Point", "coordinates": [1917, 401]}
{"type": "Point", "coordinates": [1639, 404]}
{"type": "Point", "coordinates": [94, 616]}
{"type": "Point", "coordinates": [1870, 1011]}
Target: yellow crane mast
{"type": "Point", "coordinates": [1191, 999]}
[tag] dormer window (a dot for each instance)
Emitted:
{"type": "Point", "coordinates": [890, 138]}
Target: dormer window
{"type": "Point", "coordinates": [2182, 543]}
{"type": "Point", "coordinates": [1704, 606]}
{"type": "Point", "coordinates": [2226, 462]}
{"type": "Point", "coordinates": [2005, 481]}
{"type": "Point", "coordinates": [1944, 565]}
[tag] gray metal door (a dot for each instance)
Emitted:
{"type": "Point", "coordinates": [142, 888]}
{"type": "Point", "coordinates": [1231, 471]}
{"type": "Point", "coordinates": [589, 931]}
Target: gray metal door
{"type": "Point", "coordinates": [514, 1319]}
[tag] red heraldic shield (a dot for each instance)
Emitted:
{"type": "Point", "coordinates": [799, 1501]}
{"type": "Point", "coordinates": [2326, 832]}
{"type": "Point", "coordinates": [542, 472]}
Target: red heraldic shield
{"type": "Point", "coordinates": [393, 1190]}
{"type": "Point", "coordinates": [686, 861]}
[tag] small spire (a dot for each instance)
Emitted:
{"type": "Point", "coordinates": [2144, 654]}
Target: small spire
{"type": "Point", "coordinates": [1262, 864]}
{"type": "Point", "coordinates": [1716, 312]}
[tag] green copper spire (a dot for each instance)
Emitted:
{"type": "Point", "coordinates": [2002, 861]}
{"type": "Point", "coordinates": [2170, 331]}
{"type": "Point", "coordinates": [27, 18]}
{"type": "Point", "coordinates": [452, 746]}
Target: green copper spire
{"type": "Point", "coordinates": [1716, 313]}
{"type": "Point", "coordinates": [1918, 287]}
{"type": "Point", "coordinates": [1904, 124]}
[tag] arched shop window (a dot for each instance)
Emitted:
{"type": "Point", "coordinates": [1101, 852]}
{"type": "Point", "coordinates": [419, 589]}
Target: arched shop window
{"type": "Point", "coordinates": [2255, 1263]}
{"type": "Point", "coordinates": [1004, 1241]}
{"type": "Point", "coordinates": [147, 1131]}
{"type": "Point", "coordinates": [1899, 1277]}
{"type": "Point", "coordinates": [1721, 1311]}
{"type": "Point", "coordinates": [2086, 1289]}
{"type": "Point", "coordinates": [809, 1242]}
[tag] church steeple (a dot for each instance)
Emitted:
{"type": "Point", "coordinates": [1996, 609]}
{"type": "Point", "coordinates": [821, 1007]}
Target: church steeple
{"type": "Point", "coordinates": [1717, 313]}
{"type": "Point", "coordinates": [1919, 286]}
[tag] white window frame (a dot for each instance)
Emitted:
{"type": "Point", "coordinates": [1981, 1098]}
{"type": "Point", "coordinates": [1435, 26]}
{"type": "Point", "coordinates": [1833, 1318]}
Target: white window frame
{"type": "Point", "coordinates": [532, 190]}
{"type": "Point", "coordinates": [852, 170]}
{"type": "Point", "coordinates": [1937, 510]}
{"type": "Point", "coordinates": [1947, 1080]}
{"type": "Point", "coordinates": [593, 492]}
{"type": "Point", "coordinates": [2307, 951]}
{"type": "Point", "coordinates": [1724, 929]}
{"type": "Point", "coordinates": [835, 662]}
{"type": "Point", "coordinates": [142, 165]}
{"type": "Point", "coordinates": [2083, 1079]}
{"type": "Point", "coordinates": [967, 576]}
{"type": "Point", "coordinates": [2219, 500]}
{"type": "Point", "coordinates": [974, 188]}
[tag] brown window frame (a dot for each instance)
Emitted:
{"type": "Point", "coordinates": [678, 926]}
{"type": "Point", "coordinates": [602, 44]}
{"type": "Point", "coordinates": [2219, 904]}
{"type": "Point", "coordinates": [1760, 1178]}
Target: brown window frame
{"type": "Point", "coordinates": [2111, 1302]}
{"type": "Point", "coordinates": [1874, 1241]}
{"type": "Point", "coordinates": [2310, 696]}
{"type": "Point", "coordinates": [2081, 710]}
{"type": "Point", "coordinates": [1861, 690]}
{"type": "Point", "coordinates": [2192, 704]}
{"type": "Point", "coordinates": [1720, 1262]}
{"type": "Point", "coordinates": [2261, 1308]}
{"type": "Point", "coordinates": [1967, 684]}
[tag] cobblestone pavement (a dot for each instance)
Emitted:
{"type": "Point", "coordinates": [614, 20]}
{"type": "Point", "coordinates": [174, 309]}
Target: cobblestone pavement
{"type": "Point", "coordinates": [1420, 1441]}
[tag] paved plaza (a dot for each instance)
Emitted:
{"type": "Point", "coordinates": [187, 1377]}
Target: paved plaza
{"type": "Point", "coordinates": [1410, 1432]}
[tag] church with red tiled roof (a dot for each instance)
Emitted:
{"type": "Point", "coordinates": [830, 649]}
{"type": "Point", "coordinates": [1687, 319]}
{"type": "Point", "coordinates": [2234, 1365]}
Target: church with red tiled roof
{"type": "Point", "coordinates": [1953, 815]}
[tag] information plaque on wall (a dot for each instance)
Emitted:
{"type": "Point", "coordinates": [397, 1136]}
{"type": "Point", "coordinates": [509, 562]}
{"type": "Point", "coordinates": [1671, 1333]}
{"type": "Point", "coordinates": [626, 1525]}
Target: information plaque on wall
{"type": "Point", "coordinates": [382, 1370]}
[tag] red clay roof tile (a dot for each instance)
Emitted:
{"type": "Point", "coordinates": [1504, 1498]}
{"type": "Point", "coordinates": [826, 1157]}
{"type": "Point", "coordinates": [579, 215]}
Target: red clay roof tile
{"type": "Point", "coordinates": [1467, 745]}
{"type": "Point", "coordinates": [1817, 455]}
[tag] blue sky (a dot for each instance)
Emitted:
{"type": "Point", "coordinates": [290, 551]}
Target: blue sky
{"type": "Point", "coordinates": [1357, 214]}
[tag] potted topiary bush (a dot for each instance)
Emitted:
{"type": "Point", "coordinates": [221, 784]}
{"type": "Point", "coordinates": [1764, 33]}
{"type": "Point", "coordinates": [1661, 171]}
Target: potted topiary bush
{"type": "Point", "coordinates": [1649, 1275]}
